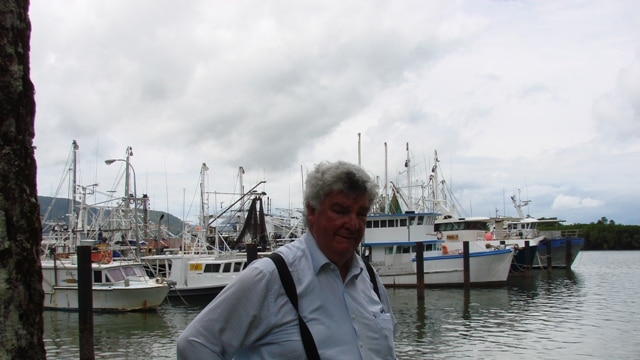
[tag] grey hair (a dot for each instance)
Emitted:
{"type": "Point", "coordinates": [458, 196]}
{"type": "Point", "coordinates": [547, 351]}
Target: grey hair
{"type": "Point", "coordinates": [328, 177]}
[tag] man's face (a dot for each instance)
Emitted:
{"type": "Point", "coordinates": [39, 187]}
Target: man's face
{"type": "Point", "coordinates": [338, 225]}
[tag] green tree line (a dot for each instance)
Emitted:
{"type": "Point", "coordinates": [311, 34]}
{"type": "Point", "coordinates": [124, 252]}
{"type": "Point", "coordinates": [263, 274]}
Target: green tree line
{"type": "Point", "coordinates": [603, 234]}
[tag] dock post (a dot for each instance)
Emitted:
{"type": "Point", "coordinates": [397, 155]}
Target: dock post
{"type": "Point", "coordinates": [420, 269]}
{"type": "Point", "coordinates": [466, 266]}
{"type": "Point", "coordinates": [527, 257]}
{"type": "Point", "coordinates": [85, 302]}
{"type": "Point", "coordinates": [252, 252]}
{"type": "Point", "coordinates": [549, 259]}
{"type": "Point", "coordinates": [568, 257]}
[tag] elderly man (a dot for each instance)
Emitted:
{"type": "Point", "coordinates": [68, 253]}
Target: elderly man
{"type": "Point", "coordinates": [336, 308]}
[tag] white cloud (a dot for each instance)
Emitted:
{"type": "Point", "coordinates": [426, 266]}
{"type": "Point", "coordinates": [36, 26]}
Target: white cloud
{"type": "Point", "coordinates": [562, 202]}
{"type": "Point", "coordinates": [532, 95]}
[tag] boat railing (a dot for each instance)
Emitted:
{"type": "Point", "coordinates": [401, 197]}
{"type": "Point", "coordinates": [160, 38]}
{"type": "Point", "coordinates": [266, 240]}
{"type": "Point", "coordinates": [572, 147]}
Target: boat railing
{"type": "Point", "coordinates": [559, 234]}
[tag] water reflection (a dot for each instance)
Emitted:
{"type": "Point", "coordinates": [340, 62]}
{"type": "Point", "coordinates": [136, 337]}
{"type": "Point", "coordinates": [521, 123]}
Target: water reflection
{"type": "Point", "coordinates": [454, 323]}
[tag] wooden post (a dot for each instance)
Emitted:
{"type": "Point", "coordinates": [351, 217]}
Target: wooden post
{"type": "Point", "coordinates": [549, 259]}
{"type": "Point", "coordinates": [527, 257]}
{"type": "Point", "coordinates": [252, 252]}
{"type": "Point", "coordinates": [420, 269]}
{"type": "Point", "coordinates": [568, 258]}
{"type": "Point", "coordinates": [85, 302]}
{"type": "Point", "coordinates": [466, 266]}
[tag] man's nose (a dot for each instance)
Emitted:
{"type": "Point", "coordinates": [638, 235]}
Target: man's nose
{"type": "Point", "coordinates": [353, 223]}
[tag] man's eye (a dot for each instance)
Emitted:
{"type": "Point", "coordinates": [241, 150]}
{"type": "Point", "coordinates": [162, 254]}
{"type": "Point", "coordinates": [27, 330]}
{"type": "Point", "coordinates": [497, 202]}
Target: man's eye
{"type": "Point", "coordinates": [340, 211]}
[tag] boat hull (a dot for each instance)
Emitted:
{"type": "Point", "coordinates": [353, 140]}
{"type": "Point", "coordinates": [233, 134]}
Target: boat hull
{"type": "Point", "coordinates": [558, 252]}
{"type": "Point", "coordinates": [488, 268]}
{"type": "Point", "coordinates": [195, 276]}
{"type": "Point", "coordinates": [131, 298]}
{"type": "Point", "coordinates": [117, 286]}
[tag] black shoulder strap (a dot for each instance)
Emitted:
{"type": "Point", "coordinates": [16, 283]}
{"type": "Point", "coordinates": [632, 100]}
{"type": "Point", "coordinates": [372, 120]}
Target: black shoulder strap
{"type": "Point", "coordinates": [290, 289]}
{"type": "Point", "coordinates": [372, 277]}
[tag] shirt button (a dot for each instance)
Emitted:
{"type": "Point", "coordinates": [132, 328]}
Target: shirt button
{"type": "Point", "coordinates": [353, 317]}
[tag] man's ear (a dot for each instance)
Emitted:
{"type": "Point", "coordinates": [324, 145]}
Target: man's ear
{"type": "Point", "coordinates": [311, 214]}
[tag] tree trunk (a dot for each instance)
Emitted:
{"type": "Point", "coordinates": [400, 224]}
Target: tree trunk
{"type": "Point", "coordinates": [21, 296]}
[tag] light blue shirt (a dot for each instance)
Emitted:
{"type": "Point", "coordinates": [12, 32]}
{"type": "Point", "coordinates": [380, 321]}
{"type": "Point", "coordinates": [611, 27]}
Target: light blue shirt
{"type": "Point", "coordinates": [252, 318]}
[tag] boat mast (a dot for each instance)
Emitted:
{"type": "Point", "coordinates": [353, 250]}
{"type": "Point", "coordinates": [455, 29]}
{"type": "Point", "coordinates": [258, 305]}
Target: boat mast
{"type": "Point", "coordinates": [202, 233]}
{"type": "Point", "coordinates": [386, 179]}
{"type": "Point", "coordinates": [519, 204]}
{"type": "Point", "coordinates": [240, 175]}
{"type": "Point", "coordinates": [72, 205]}
{"type": "Point", "coordinates": [407, 164]}
{"type": "Point", "coordinates": [127, 195]}
{"type": "Point", "coordinates": [359, 153]}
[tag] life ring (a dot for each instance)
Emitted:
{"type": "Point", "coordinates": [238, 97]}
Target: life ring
{"type": "Point", "coordinates": [439, 235]}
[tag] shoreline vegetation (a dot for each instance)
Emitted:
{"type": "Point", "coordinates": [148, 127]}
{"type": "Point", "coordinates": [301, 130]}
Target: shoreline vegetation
{"type": "Point", "coordinates": [603, 234]}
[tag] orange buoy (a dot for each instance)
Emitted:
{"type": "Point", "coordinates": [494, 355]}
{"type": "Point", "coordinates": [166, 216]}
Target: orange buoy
{"type": "Point", "coordinates": [445, 249]}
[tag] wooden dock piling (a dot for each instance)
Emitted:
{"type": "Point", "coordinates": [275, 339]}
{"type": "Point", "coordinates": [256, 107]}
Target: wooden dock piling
{"type": "Point", "coordinates": [420, 269]}
{"type": "Point", "coordinates": [85, 302]}
{"type": "Point", "coordinates": [465, 254]}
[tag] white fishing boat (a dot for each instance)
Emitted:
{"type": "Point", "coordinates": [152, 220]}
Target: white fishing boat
{"type": "Point", "coordinates": [205, 262]}
{"type": "Point", "coordinates": [390, 245]}
{"type": "Point", "coordinates": [117, 285]}
{"type": "Point", "coordinates": [455, 227]}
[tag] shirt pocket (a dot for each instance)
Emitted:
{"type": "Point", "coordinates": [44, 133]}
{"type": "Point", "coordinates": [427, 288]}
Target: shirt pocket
{"type": "Point", "coordinates": [384, 322]}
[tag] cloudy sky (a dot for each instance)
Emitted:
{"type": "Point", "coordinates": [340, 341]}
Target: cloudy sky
{"type": "Point", "coordinates": [535, 98]}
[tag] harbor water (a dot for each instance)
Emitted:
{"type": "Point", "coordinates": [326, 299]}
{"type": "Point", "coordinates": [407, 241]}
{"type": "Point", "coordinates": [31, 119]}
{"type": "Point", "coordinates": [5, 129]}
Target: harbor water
{"type": "Point", "coordinates": [589, 312]}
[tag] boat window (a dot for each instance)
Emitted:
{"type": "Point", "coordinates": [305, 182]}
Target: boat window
{"type": "Point", "coordinates": [139, 271]}
{"type": "Point", "coordinates": [388, 250]}
{"type": "Point", "coordinates": [237, 266]}
{"type": "Point", "coordinates": [383, 223]}
{"type": "Point", "coordinates": [226, 268]}
{"type": "Point", "coordinates": [129, 271]}
{"type": "Point", "coordinates": [403, 250]}
{"type": "Point", "coordinates": [403, 222]}
{"type": "Point", "coordinates": [97, 276]}
{"type": "Point", "coordinates": [376, 224]}
{"type": "Point", "coordinates": [211, 268]}
{"type": "Point", "coordinates": [420, 220]}
{"type": "Point", "coordinates": [115, 275]}
{"type": "Point", "coordinates": [369, 224]}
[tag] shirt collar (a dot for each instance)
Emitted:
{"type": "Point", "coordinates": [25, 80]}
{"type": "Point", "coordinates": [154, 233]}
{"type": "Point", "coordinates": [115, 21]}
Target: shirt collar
{"type": "Point", "coordinates": [320, 260]}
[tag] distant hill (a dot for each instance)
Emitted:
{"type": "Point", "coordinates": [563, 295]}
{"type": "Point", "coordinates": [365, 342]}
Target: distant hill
{"type": "Point", "coordinates": [59, 207]}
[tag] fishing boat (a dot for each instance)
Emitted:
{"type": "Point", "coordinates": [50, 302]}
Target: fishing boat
{"type": "Point", "coordinates": [390, 246]}
{"type": "Point", "coordinates": [556, 249]}
{"type": "Point", "coordinates": [117, 284]}
{"type": "Point", "coordinates": [455, 226]}
{"type": "Point", "coordinates": [476, 231]}
{"type": "Point", "coordinates": [391, 237]}
{"type": "Point", "coordinates": [207, 259]}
